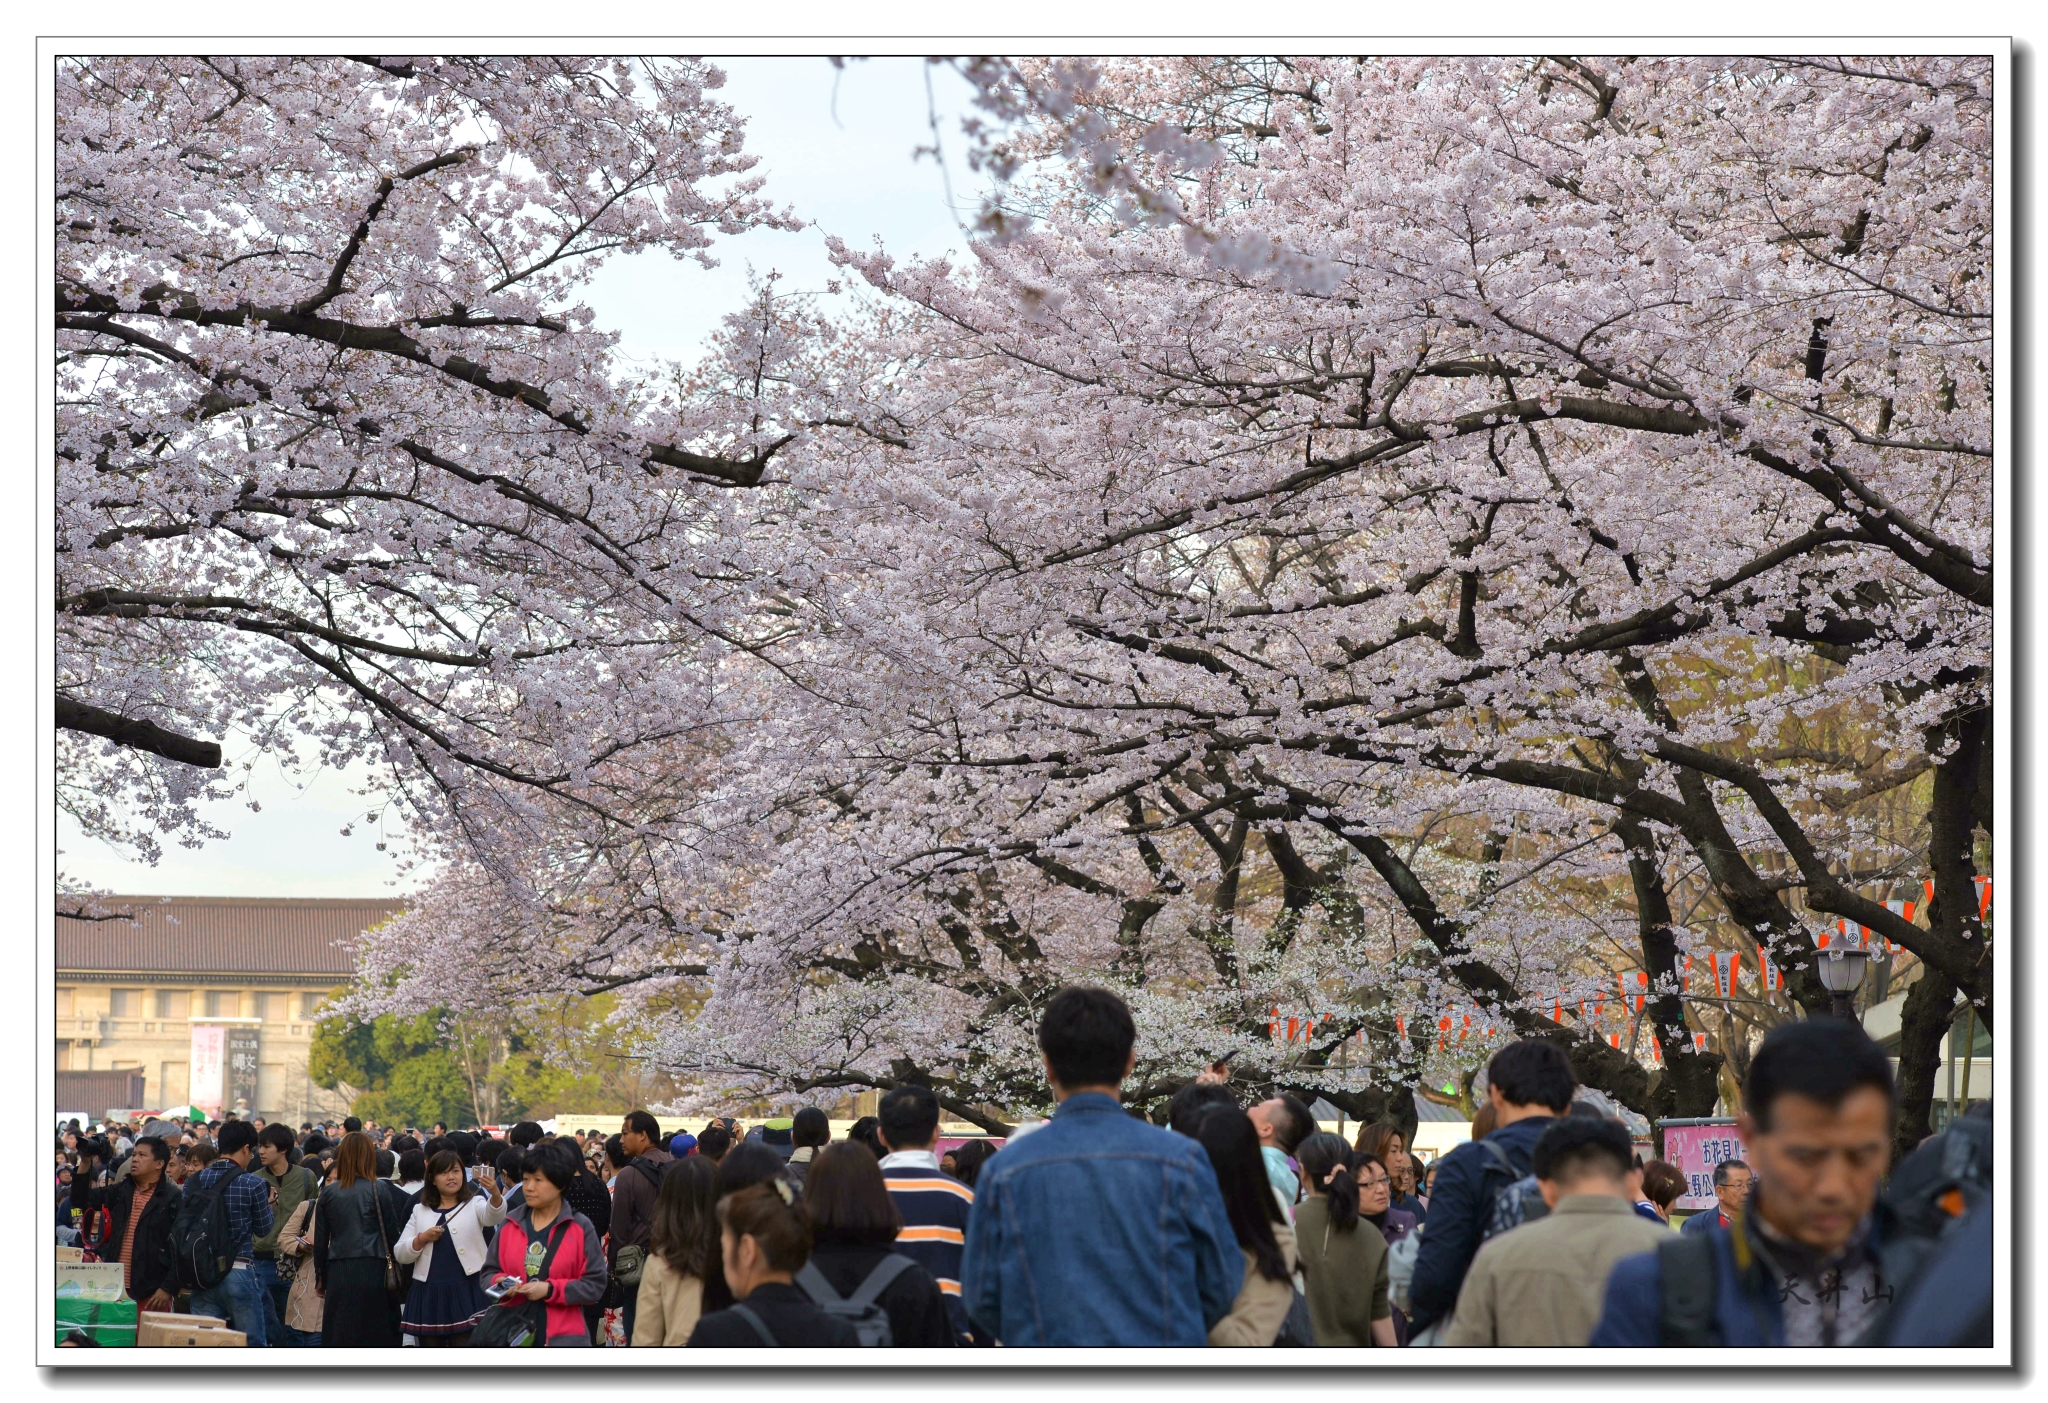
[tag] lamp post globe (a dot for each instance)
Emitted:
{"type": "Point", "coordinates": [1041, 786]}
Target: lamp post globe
{"type": "Point", "coordinates": [1841, 974]}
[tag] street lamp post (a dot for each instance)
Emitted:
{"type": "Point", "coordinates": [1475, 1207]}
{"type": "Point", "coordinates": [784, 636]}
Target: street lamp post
{"type": "Point", "coordinates": [1841, 974]}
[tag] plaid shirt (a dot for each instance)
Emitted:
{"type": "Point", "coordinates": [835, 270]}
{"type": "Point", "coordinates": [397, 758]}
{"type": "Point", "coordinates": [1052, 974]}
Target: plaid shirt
{"type": "Point", "coordinates": [248, 1202]}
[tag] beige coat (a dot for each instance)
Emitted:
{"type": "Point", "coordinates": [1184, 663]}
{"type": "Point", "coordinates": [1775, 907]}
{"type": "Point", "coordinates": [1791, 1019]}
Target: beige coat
{"type": "Point", "coordinates": [668, 1305]}
{"type": "Point", "coordinates": [1542, 1285]}
{"type": "Point", "coordinates": [302, 1307]}
{"type": "Point", "coordinates": [1261, 1306]}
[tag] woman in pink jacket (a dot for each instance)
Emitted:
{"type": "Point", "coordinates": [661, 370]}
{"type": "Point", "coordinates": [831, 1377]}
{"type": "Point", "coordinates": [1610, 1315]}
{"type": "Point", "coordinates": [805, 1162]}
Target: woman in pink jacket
{"type": "Point", "coordinates": [553, 1252]}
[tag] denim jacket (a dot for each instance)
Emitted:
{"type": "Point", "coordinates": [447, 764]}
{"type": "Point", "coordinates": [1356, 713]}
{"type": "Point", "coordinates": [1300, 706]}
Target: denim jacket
{"type": "Point", "coordinates": [1099, 1229]}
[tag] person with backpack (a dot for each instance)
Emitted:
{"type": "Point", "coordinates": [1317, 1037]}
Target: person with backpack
{"type": "Point", "coordinates": [764, 1240]}
{"type": "Point", "coordinates": [139, 1210]}
{"type": "Point", "coordinates": [289, 1185]}
{"type": "Point", "coordinates": [855, 1270]}
{"type": "Point", "coordinates": [223, 1208]}
{"type": "Point", "coordinates": [682, 1277]}
{"type": "Point", "coordinates": [633, 1199]}
{"type": "Point", "coordinates": [1098, 1228]}
{"type": "Point", "coordinates": [1813, 1257]}
{"type": "Point", "coordinates": [1529, 1084]}
{"type": "Point", "coordinates": [1541, 1285]}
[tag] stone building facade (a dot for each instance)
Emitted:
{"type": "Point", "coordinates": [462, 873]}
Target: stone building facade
{"type": "Point", "coordinates": [234, 982]}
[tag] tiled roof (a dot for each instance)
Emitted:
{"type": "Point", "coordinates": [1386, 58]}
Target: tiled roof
{"type": "Point", "coordinates": [219, 935]}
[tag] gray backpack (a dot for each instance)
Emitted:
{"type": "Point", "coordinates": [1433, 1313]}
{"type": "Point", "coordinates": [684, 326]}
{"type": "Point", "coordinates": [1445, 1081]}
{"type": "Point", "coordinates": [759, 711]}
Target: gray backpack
{"type": "Point", "coordinates": [1520, 1202]}
{"type": "Point", "coordinates": [862, 1310]}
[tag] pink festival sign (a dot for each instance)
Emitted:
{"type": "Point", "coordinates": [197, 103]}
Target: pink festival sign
{"type": "Point", "coordinates": [1694, 1150]}
{"type": "Point", "coordinates": [209, 1062]}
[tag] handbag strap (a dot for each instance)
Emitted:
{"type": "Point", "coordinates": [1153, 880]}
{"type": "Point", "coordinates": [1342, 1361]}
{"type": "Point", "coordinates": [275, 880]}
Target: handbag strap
{"type": "Point", "coordinates": [377, 1209]}
{"type": "Point", "coordinates": [557, 1230]}
{"type": "Point", "coordinates": [760, 1326]}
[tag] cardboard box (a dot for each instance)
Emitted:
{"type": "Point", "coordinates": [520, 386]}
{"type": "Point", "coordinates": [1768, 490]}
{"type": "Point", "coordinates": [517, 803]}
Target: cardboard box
{"type": "Point", "coordinates": [202, 1337]}
{"type": "Point", "coordinates": [163, 1327]}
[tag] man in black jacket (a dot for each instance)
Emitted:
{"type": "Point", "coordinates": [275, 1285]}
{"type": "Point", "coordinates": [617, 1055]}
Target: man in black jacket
{"type": "Point", "coordinates": [139, 1237]}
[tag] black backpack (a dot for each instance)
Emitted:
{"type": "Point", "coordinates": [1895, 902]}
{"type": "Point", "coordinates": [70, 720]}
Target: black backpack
{"type": "Point", "coordinates": [1946, 1177]}
{"type": "Point", "coordinates": [862, 1310]}
{"type": "Point", "coordinates": [651, 1172]}
{"type": "Point", "coordinates": [203, 1241]}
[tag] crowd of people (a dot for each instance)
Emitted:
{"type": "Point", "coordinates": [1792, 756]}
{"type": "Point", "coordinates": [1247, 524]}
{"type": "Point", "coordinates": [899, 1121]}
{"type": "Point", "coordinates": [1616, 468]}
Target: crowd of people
{"type": "Point", "coordinates": [1231, 1225]}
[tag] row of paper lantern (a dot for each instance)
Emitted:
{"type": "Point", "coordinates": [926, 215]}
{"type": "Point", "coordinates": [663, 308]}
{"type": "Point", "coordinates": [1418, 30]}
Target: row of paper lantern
{"type": "Point", "coordinates": [1727, 974]}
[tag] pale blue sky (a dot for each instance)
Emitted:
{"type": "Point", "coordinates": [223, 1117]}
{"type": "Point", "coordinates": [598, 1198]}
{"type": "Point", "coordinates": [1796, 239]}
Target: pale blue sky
{"type": "Point", "coordinates": [846, 165]}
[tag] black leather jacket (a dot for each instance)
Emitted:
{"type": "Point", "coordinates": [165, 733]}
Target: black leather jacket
{"type": "Point", "coordinates": [151, 1266]}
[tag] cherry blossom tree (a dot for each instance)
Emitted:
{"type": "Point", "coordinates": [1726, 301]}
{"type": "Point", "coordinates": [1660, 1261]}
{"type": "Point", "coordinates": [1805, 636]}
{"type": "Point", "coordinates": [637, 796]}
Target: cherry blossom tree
{"type": "Point", "coordinates": [1365, 543]}
{"type": "Point", "coordinates": [344, 466]}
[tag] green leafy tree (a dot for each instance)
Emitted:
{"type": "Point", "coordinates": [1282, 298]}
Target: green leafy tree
{"type": "Point", "coordinates": [393, 1069]}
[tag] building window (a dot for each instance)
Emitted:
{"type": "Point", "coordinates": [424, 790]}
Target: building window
{"type": "Point", "coordinates": [64, 1002]}
{"type": "Point", "coordinates": [173, 1003]}
{"type": "Point", "coordinates": [270, 1007]}
{"type": "Point", "coordinates": [127, 1003]}
{"type": "Point", "coordinates": [309, 1005]}
{"type": "Point", "coordinates": [63, 1057]}
{"type": "Point", "coordinates": [223, 1003]}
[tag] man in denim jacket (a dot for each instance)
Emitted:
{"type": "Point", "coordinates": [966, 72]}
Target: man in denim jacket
{"type": "Point", "coordinates": [1099, 1229]}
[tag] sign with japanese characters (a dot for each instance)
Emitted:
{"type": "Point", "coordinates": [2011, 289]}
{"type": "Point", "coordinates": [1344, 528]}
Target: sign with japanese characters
{"type": "Point", "coordinates": [1694, 1150]}
{"type": "Point", "coordinates": [239, 1089]}
{"type": "Point", "coordinates": [209, 1065]}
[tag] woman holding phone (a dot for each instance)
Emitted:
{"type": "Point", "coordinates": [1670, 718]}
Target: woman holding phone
{"type": "Point", "coordinates": [444, 1241]}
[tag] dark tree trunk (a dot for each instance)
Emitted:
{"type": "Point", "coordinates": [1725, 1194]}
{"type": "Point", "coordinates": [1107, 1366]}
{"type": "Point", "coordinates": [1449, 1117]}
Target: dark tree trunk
{"type": "Point", "coordinates": [1951, 848]}
{"type": "Point", "coordinates": [1928, 1012]}
{"type": "Point", "coordinates": [1368, 1106]}
{"type": "Point", "coordinates": [1687, 1086]}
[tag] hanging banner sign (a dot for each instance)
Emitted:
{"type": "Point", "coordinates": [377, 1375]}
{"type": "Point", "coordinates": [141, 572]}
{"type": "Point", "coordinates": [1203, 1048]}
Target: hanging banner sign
{"type": "Point", "coordinates": [1773, 977]}
{"type": "Point", "coordinates": [238, 1081]}
{"type": "Point", "coordinates": [209, 1058]}
{"type": "Point", "coordinates": [1726, 965]}
{"type": "Point", "coordinates": [1694, 1150]}
{"type": "Point", "coordinates": [1634, 1001]}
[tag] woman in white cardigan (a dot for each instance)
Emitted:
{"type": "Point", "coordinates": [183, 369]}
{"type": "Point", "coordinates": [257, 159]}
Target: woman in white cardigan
{"type": "Point", "coordinates": [444, 1240]}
